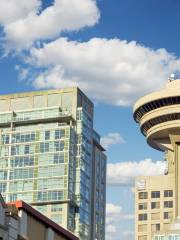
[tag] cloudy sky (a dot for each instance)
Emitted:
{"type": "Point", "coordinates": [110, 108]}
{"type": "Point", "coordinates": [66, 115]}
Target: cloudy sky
{"type": "Point", "coordinates": [115, 51]}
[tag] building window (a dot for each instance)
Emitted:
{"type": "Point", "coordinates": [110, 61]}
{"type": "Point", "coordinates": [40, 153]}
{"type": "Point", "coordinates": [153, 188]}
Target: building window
{"type": "Point", "coordinates": [168, 215]}
{"type": "Point", "coordinates": [15, 150]}
{"type": "Point", "coordinates": [155, 227]}
{"type": "Point", "coordinates": [168, 193]}
{"type": "Point", "coordinates": [142, 206]}
{"type": "Point", "coordinates": [142, 217]}
{"type": "Point", "coordinates": [56, 208]}
{"type": "Point", "coordinates": [143, 195]}
{"type": "Point", "coordinates": [159, 237]}
{"type": "Point", "coordinates": [59, 146]}
{"type": "Point", "coordinates": [60, 133]}
{"type": "Point", "coordinates": [44, 147]}
{"type": "Point", "coordinates": [13, 197]}
{"type": "Point", "coordinates": [5, 139]}
{"type": "Point", "coordinates": [58, 158]}
{"type": "Point", "coordinates": [155, 194]}
{"type": "Point", "coordinates": [26, 149]}
{"type": "Point", "coordinates": [2, 187]}
{"type": "Point", "coordinates": [155, 205]}
{"type": "Point", "coordinates": [47, 135]}
{"type": "Point", "coordinates": [168, 204]}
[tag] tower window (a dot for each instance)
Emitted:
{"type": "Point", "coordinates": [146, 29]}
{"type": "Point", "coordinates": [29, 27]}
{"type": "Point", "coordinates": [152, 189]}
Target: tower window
{"type": "Point", "coordinates": [155, 194]}
{"type": "Point", "coordinates": [155, 205]}
{"type": "Point", "coordinates": [168, 215]}
{"type": "Point", "coordinates": [168, 193]}
{"type": "Point", "coordinates": [142, 217]}
{"type": "Point", "coordinates": [168, 204]}
{"type": "Point", "coordinates": [143, 195]}
{"type": "Point", "coordinates": [142, 206]}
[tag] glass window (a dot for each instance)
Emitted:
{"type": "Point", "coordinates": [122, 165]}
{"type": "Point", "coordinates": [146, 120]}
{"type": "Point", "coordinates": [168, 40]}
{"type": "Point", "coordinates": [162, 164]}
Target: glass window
{"type": "Point", "coordinates": [14, 150]}
{"type": "Point", "coordinates": [59, 133]}
{"type": "Point", "coordinates": [142, 217]}
{"type": "Point", "coordinates": [58, 158]}
{"type": "Point", "coordinates": [26, 149]}
{"type": "Point", "coordinates": [50, 195]}
{"type": "Point", "coordinates": [13, 197]}
{"type": "Point", "coordinates": [159, 237]}
{"type": "Point", "coordinates": [2, 187]}
{"type": "Point", "coordinates": [155, 205]}
{"type": "Point", "coordinates": [56, 208]}
{"type": "Point", "coordinates": [168, 193]}
{"type": "Point", "coordinates": [155, 194]}
{"type": "Point", "coordinates": [47, 135]}
{"type": "Point", "coordinates": [168, 204]}
{"type": "Point", "coordinates": [44, 147]}
{"type": "Point", "coordinates": [168, 215]}
{"type": "Point", "coordinates": [155, 227]}
{"type": "Point", "coordinates": [59, 146]}
{"type": "Point", "coordinates": [143, 195]}
{"type": "Point", "coordinates": [5, 139]}
{"type": "Point", "coordinates": [142, 206]}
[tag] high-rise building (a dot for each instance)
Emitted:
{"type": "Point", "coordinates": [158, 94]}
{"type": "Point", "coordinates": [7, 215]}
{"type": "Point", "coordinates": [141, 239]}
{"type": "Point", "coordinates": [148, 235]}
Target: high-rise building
{"type": "Point", "coordinates": [158, 197]}
{"type": "Point", "coordinates": [51, 157]}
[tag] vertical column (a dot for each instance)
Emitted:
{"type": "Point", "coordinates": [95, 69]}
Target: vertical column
{"type": "Point", "coordinates": [23, 223]}
{"type": "Point", "coordinates": [49, 234]}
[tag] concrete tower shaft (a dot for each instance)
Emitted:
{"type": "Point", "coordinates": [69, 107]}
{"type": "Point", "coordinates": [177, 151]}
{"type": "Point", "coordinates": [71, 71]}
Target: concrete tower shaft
{"type": "Point", "coordinates": [158, 115]}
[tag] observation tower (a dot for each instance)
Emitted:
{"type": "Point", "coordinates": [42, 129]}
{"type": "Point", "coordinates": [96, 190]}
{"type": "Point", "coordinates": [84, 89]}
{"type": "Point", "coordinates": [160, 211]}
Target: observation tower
{"type": "Point", "coordinates": [158, 115]}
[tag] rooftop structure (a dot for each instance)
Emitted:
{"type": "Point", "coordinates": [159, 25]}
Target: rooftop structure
{"type": "Point", "coordinates": [19, 221]}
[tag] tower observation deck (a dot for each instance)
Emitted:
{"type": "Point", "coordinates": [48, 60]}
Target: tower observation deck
{"type": "Point", "coordinates": [158, 114]}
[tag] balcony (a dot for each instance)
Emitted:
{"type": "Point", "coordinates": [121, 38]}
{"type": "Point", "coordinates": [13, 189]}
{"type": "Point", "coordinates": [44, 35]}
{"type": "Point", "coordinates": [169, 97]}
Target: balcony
{"type": "Point", "coordinates": [35, 116]}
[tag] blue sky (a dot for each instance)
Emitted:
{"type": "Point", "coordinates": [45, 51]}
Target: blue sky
{"type": "Point", "coordinates": [114, 50]}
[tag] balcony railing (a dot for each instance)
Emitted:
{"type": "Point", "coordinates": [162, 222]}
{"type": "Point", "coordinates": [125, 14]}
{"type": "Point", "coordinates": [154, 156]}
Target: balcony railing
{"type": "Point", "coordinates": [34, 116]}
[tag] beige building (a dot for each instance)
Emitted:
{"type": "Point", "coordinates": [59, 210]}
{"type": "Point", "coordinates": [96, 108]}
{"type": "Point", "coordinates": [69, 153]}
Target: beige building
{"type": "Point", "coordinates": [158, 198]}
{"type": "Point", "coordinates": [154, 205]}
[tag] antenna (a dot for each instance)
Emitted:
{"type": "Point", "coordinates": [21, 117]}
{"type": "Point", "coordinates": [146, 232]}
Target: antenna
{"type": "Point", "coordinates": [172, 77]}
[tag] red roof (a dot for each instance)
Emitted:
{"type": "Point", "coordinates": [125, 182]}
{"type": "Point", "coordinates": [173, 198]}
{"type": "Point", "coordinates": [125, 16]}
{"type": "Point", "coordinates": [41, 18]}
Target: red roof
{"type": "Point", "coordinates": [48, 222]}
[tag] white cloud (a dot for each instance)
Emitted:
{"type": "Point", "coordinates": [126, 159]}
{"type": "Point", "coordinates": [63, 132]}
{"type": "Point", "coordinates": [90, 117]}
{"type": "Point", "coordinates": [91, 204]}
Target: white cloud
{"type": "Point", "coordinates": [111, 139]}
{"type": "Point", "coordinates": [13, 10]}
{"type": "Point", "coordinates": [23, 73]}
{"type": "Point", "coordinates": [110, 229]}
{"type": "Point", "coordinates": [114, 218]}
{"type": "Point", "coordinates": [123, 173]}
{"type": "Point", "coordinates": [112, 209]}
{"type": "Point", "coordinates": [110, 71]}
{"type": "Point", "coordinates": [128, 235]}
{"type": "Point", "coordinates": [22, 30]}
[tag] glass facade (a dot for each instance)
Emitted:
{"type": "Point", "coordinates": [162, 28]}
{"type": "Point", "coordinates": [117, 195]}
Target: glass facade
{"type": "Point", "coordinates": [47, 159]}
{"type": "Point", "coordinates": [167, 237]}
